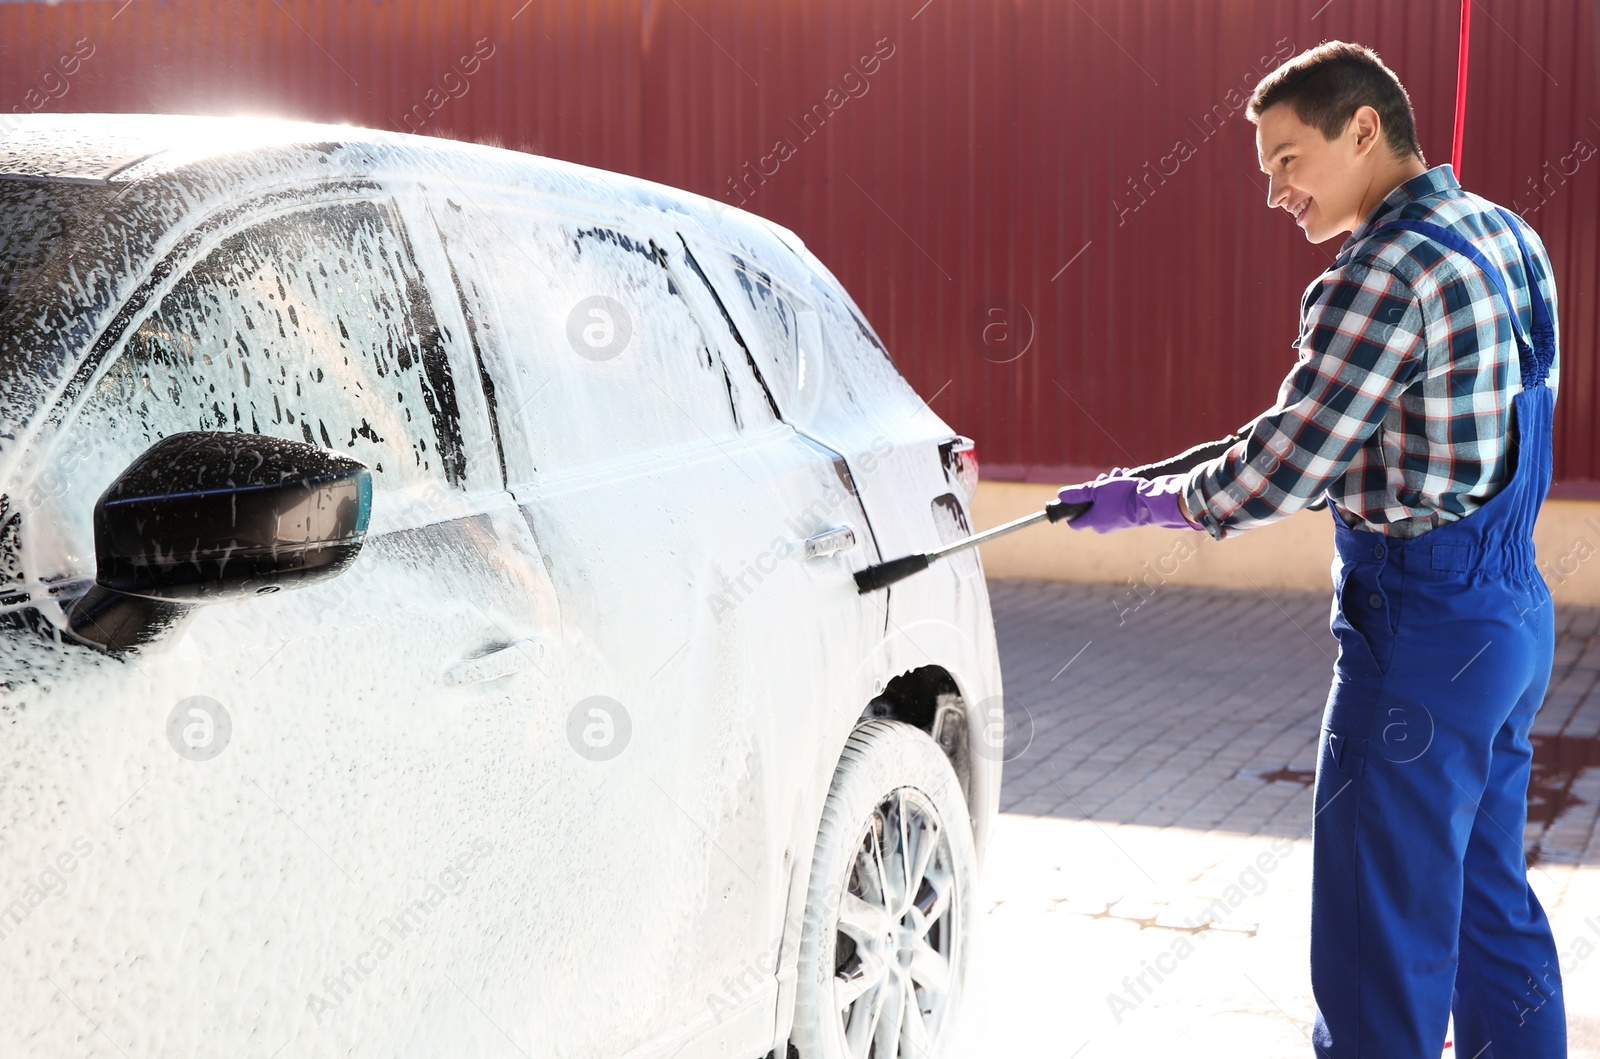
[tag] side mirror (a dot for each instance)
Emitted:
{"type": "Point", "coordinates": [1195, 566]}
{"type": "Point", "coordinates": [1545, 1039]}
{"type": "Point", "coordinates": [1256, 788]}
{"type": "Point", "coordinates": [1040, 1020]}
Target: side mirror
{"type": "Point", "coordinates": [203, 516]}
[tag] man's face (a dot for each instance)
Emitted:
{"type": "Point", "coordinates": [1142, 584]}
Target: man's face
{"type": "Point", "coordinates": [1319, 182]}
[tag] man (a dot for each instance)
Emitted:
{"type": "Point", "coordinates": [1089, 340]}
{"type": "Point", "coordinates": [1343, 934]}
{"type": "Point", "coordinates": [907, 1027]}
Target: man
{"type": "Point", "coordinates": [1420, 406]}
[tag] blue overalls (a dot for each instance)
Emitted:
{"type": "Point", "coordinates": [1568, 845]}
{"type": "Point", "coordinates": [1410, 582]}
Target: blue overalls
{"type": "Point", "coordinates": [1420, 900]}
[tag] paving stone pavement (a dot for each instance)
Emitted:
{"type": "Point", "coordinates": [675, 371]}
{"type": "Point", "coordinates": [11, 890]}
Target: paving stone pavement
{"type": "Point", "coordinates": [1148, 888]}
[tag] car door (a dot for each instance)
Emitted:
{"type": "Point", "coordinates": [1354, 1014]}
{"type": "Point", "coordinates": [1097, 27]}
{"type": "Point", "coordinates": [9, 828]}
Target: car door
{"type": "Point", "coordinates": [298, 806]}
{"type": "Point", "coordinates": [813, 501]}
{"type": "Point", "coordinates": [653, 470]}
{"type": "Point", "coordinates": [838, 385]}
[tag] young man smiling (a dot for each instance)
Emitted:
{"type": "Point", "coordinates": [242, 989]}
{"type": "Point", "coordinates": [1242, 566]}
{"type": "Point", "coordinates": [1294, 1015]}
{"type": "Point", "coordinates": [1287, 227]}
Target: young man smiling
{"type": "Point", "coordinates": [1420, 407]}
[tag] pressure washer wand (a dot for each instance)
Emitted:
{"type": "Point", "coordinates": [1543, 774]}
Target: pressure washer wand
{"type": "Point", "coordinates": [872, 578]}
{"type": "Point", "coordinates": [883, 575]}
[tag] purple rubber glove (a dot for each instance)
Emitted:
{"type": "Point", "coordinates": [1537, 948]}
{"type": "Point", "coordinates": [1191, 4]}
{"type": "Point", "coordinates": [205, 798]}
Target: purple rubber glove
{"type": "Point", "coordinates": [1122, 503]}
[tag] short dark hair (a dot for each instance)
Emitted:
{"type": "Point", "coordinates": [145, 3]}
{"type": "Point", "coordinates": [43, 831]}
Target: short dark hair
{"type": "Point", "coordinates": [1327, 84]}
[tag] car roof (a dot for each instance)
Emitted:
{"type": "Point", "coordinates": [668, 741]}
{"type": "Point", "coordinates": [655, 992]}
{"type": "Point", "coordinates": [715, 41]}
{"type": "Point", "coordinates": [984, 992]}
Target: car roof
{"type": "Point", "coordinates": [112, 149]}
{"type": "Point", "coordinates": [87, 148]}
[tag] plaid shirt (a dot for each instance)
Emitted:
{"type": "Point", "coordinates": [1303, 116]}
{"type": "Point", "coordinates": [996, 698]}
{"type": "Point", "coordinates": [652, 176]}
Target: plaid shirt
{"type": "Point", "coordinates": [1399, 405]}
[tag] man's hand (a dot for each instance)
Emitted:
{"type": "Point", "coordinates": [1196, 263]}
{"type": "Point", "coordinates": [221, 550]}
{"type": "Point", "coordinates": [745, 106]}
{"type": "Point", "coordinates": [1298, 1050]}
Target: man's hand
{"type": "Point", "coordinates": [1121, 502]}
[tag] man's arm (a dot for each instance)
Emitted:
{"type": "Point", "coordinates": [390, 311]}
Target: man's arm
{"type": "Point", "coordinates": [1191, 458]}
{"type": "Point", "coordinates": [1188, 460]}
{"type": "Point", "coordinates": [1361, 345]}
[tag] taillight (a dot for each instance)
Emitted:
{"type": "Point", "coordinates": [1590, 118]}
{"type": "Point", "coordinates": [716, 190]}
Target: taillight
{"type": "Point", "coordinates": [966, 459]}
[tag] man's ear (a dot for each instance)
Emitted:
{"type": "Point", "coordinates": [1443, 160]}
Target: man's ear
{"type": "Point", "coordinates": [1365, 129]}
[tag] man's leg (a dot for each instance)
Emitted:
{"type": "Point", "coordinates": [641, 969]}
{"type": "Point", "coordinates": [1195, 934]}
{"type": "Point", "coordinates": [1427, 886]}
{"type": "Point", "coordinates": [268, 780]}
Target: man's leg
{"type": "Point", "coordinates": [1388, 842]}
{"type": "Point", "coordinates": [1405, 762]}
{"type": "Point", "coordinates": [1508, 1001]}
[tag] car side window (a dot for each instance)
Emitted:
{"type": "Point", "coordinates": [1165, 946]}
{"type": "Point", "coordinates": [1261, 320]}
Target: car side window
{"type": "Point", "coordinates": [779, 328]}
{"type": "Point", "coordinates": [314, 325]}
{"type": "Point", "coordinates": [602, 355]}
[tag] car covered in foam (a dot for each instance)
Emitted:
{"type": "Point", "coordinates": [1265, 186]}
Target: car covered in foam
{"type": "Point", "coordinates": [427, 617]}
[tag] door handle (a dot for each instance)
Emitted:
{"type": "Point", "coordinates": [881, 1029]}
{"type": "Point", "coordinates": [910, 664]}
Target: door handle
{"type": "Point", "coordinates": [501, 662]}
{"type": "Point", "coordinates": [829, 542]}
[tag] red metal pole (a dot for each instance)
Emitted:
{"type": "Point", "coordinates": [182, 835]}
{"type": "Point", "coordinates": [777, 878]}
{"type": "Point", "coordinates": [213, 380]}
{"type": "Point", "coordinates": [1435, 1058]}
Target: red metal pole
{"type": "Point", "coordinates": [1461, 86]}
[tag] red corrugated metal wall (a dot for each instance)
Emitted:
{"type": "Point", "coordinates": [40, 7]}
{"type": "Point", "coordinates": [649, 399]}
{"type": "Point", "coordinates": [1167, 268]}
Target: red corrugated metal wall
{"type": "Point", "coordinates": [1049, 208]}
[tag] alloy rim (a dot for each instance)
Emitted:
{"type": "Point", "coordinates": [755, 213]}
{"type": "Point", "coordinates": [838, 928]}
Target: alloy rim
{"type": "Point", "coordinates": [897, 935]}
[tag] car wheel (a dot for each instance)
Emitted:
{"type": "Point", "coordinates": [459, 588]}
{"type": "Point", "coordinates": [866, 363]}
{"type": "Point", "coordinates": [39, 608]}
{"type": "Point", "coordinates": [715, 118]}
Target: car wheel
{"type": "Point", "coordinates": [883, 951]}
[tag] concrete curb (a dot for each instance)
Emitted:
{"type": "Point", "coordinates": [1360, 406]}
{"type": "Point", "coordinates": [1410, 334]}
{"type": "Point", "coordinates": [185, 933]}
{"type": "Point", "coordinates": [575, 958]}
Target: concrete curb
{"type": "Point", "coordinates": [1296, 553]}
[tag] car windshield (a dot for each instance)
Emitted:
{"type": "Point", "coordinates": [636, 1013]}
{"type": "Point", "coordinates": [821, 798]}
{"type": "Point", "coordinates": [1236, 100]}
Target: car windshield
{"type": "Point", "coordinates": [54, 287]}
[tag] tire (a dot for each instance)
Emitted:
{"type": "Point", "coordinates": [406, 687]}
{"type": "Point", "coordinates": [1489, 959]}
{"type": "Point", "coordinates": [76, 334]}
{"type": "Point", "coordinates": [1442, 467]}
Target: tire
{"type": "Point", "coordinates": [874, 951]}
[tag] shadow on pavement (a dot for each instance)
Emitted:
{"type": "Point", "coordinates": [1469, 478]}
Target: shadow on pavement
{"type": "Point", "coordinates": [1200, 708]}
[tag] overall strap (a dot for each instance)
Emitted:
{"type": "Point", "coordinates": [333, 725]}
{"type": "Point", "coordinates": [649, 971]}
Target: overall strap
{"type": "Point", "coordinates": [1544, 328]}
{"type": "Point", "coordinates": [1534, 356]}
